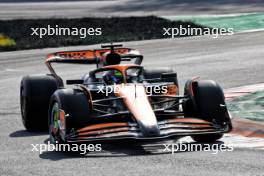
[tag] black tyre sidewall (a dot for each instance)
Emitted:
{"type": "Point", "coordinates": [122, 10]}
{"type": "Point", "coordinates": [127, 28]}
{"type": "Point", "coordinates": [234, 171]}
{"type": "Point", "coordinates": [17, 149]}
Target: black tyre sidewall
{"type": "Point", "coordinates": [75, 105]}
{"type": "Point", "coordinates": [209, 97]}
{"type": "Point", "coordinates": [35, 92]}
{"type": "Point", "coordinates": [156, 73]}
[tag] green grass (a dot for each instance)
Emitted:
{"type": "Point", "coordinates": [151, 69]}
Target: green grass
{"type": "Point", "coordinates": [240, 22]}
{"type": "Point", "coordinates": [250, 106]}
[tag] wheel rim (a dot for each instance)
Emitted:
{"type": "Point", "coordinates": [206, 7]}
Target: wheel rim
{"type": "Point", "coordinates": [54, 123]}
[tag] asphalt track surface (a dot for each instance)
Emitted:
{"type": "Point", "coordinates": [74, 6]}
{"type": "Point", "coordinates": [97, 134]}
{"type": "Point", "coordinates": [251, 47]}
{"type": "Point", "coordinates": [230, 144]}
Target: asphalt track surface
{"type": "Point", "coordinates": [17, 9]}
{"type": "Point", "coordinates": [231, 60]}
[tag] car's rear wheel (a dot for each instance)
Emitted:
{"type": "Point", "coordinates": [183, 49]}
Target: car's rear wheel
{"type": "Point", "coordinates": [74, 104]}
{"type": "Point", "coordinates": [152, 75]}
{"type": "Point", "coordinates": [208, 104]}
{"type": "Point", "coordinates": [35, 93]}
{"type": "Point", "coordinates": [156, 73]}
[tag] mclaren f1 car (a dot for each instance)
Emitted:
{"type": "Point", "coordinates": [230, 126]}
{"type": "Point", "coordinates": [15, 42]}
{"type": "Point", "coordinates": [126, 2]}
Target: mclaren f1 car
{"type": "Point", "coordinates": [121, 101]}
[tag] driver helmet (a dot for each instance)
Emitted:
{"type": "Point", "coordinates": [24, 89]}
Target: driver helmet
{"type": "Point", "coordinates": [113, 77]}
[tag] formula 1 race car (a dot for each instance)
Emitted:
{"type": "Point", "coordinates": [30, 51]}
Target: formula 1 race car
{"type": "Point", "coordinates": [121, 101]}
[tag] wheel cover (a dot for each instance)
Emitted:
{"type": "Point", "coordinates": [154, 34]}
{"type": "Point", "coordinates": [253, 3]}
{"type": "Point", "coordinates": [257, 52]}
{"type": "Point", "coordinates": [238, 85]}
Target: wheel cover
{"type": "Point", "coordinates": [54, 123]}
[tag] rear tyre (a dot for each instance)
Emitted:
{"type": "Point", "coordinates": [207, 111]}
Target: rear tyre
{"type": "Point", "coordinates": [35, 93]}
{"type": "Point", "coordinates": [75, 104]}
{"type": "Point", "coordinates": [208, 104]}
{"type": "Point", "coordinates": [189, 106]}
{"type": "Point", "coordinates": [156, 73]}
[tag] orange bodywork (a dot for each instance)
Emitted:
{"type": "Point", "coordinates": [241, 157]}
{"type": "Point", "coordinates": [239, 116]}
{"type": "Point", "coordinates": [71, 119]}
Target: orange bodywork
{"type": "Point", "coordinates": [88, 54]}
{"type": "Point", "coordinates": [93, 56]}
{"type": "Point", "coordinates": [136, 100]}
{"type": "Point", "coordinates": [171, 90]}
{"type": "Point", "coordinates": [100, 126]}
{"type": "Point", "coordinates": [144, 122]}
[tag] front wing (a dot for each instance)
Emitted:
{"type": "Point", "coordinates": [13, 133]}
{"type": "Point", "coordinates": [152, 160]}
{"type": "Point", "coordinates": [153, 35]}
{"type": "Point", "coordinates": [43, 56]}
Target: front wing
{"type": "Point", "coordinates": [126, 130]}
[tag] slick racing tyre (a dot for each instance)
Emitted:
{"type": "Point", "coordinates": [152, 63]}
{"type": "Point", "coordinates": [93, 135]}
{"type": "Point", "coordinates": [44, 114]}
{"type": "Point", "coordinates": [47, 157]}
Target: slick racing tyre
{"type": "Point", "coordinates": [153, 75]}
{"type": "Point", "coordinates": [74, 104]}
{"type": "Point", "coordinates": [156, 73]}
{"type": "Point", "coordinates": [35, 93]}
{"type": "Point", "coordinates": [208, 104]}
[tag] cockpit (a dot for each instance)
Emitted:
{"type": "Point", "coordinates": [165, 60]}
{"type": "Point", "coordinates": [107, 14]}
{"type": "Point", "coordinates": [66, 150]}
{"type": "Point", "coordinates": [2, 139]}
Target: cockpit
{"type": "Point", "coordinates": [118, 74]}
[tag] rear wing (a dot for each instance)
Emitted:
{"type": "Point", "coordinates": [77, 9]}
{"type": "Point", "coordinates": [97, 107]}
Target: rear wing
{"type": "Point", "coordinates": [90, 56]}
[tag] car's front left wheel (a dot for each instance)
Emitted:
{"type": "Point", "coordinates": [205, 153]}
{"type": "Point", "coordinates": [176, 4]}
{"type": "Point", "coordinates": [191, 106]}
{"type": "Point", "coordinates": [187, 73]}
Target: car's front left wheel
{"type": "Point", "coordinates": [69, 110]}
{"type": "Point", "coordinates": [207, 103]}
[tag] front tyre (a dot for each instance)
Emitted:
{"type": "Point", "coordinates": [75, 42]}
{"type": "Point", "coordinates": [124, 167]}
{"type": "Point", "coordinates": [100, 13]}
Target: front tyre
{"type": "Point", "coordinates": [54, 120]}
{"type": "Point", "coordinates": [69, 110]}
{"type": "Point", "coordinates": [208, 104]}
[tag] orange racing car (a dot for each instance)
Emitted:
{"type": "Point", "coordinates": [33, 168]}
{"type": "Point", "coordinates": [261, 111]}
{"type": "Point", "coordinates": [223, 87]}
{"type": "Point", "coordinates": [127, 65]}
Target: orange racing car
{"type": "Point", "coordinates": [121, 101]}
